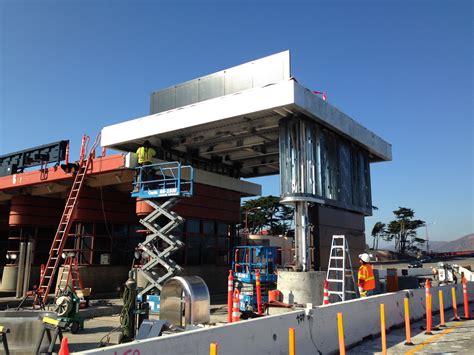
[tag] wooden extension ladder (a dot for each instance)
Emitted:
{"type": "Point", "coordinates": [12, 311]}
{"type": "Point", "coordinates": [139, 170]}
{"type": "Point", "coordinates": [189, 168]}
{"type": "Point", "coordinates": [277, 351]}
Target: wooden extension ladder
{"type": "Point", "coordinates": [65, 223]}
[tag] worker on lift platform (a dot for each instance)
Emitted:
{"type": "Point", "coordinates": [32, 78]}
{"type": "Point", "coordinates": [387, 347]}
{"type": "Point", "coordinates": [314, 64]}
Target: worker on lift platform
{"type": "Point", "coordinates": [145, 155]}
{"type": "Point", "coordinates": [366, 276]}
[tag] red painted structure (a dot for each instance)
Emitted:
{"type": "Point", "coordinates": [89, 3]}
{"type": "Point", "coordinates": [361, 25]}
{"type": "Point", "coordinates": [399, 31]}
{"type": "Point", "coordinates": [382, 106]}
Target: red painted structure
{"type": "Point", "coordinates": [107, 217]}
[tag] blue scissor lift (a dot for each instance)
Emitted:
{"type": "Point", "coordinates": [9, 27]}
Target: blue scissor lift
{"type": "Point", "coordinates": [248, 259]}
{"type": "Point", "coordinates": [161, 186]}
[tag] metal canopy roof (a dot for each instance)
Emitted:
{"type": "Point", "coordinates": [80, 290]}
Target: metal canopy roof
{"type": "Point", "coordinates": [241, 128]}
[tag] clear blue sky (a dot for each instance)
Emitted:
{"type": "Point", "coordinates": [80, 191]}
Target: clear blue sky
{"type": "Point", "coordinates": [401, 68]}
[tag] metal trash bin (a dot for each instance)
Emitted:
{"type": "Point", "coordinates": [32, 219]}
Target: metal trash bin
{"type": "Point", "coordinates": [25, 329]}
{"type": "Point", "coordinates": [185, 300]}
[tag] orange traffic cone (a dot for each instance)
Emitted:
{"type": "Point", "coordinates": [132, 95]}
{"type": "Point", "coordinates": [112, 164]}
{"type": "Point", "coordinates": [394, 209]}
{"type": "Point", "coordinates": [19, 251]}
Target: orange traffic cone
{"type": "Point", "coordinates": [326, 293]}
{"type": "Point", "coordinates": [236, 306]}
{"type": "Point", "coordinates": [64, 350]}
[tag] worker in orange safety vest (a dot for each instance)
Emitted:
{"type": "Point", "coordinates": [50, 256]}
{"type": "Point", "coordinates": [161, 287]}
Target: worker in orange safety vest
{"type": "Point", "coordinates": [366, 276]}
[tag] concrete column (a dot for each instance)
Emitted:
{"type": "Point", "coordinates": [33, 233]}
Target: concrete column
{"type": "Point", "coordinates": [21, 270]}
{"type": "Point", "coordinates": [301, 287]}
{"type": "Point", "coordinates": [27, 268]}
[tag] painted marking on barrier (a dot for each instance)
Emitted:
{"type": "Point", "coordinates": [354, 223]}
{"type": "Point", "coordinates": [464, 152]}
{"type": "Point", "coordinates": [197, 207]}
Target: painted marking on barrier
{"type": "Point", "coordinates": [432, 339]}
{"type": "Point", "coordinates": [129, 352]}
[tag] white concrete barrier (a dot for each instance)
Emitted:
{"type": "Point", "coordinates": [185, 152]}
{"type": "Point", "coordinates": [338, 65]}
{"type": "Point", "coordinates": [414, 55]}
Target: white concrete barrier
{"type": "Point", "coordinates": [408, 272]}
{"type": "Point", "coordinates": [314, 333]}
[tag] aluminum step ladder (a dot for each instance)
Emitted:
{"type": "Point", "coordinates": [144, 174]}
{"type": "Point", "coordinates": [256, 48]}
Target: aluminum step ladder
{"type": "Point", "coordinates": [341, 281]}
{"type": "Point", "coordinates": [169, 182]}
{"type": "Point", "coordinates": [65, 223]}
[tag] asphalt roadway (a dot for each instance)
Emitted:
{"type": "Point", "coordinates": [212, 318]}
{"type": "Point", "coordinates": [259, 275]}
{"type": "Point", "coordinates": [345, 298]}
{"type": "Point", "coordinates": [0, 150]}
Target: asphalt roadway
{"type": "Point", "coordinates": [455, 338]}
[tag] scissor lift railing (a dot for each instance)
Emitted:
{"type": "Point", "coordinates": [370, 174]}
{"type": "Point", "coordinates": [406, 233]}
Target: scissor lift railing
{"type": "Point", "coordinates": [247, 259]}
{"type": "Point", "coordinates": [161, 186]}
{"type": "Point", "coordinates": [168, 180]}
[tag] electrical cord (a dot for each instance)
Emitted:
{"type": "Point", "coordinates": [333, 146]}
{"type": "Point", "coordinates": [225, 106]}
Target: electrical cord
{"type": "Point", "coordinates": [105, 340]}
{"type": "Point", "coordinates": [310, 320]}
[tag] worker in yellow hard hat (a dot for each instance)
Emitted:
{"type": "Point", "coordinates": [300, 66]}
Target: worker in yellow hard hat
{"type": "Point", "coordinates": [366, 276]}
{"type": "Point", "coordinates": [145, 155]}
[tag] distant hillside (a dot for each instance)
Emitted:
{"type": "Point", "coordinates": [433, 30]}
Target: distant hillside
{"type": "Point", "coordinates": [462, 244]}
{"type": "Point", "coordinates": [435, 245]}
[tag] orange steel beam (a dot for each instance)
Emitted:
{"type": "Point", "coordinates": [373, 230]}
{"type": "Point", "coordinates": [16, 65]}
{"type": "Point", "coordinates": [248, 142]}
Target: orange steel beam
{"type": "Point", "coordinates": [99, 165]}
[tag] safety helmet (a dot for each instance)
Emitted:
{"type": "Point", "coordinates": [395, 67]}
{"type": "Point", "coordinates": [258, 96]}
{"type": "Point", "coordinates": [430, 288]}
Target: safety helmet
{"type": "Point", "coordinates": [364, 257]}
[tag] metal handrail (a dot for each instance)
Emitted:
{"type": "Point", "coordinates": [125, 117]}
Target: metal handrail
{"type": "Point", "coordinates": [170, 177]}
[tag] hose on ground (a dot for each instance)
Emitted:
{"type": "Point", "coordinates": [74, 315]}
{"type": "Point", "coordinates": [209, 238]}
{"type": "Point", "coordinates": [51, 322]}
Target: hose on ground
{"type": "Point", "coordinates": [129, 296]}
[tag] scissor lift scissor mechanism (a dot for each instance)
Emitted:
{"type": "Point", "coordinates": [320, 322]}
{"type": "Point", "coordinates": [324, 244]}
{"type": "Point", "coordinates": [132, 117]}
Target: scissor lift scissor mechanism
{"type": "Point", "coordinates": [161, 186]}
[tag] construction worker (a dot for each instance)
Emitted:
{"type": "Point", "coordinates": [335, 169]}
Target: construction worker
{"type": "Point", "coordinates": [145, 155]}
{"type": "Point", "coordinates": [366, 276]}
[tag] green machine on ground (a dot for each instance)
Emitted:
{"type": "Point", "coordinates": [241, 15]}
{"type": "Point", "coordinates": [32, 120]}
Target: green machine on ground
{"type": "Point", "coordinates": [67, 308]}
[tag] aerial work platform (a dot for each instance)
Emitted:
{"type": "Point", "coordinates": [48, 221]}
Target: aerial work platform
{"type": "Point", "coordinates": [161, 186]}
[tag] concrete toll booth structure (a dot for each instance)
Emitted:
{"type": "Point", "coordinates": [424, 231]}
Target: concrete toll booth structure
{"type": "Point", "coordinates": [254, 120]}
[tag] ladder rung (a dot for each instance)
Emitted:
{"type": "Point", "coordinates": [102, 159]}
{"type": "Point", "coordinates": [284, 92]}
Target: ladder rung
{"type": "Point", "coordinates": [333, 280]}
{"type": "Point", "coordinates": [337, 257]}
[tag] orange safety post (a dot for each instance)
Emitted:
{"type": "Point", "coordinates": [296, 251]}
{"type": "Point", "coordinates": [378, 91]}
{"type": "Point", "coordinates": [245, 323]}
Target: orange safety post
{"type": "Point", "coordinates": [291, 341]}
{"type": "Point", "coordinates": [236, 306]}
{"type": "Point", "coordinates": [466, 299]}
{"type": "Point", "coordinates": [259, 292]}
{"type": "Point", "coordinates": [407, 322]}
{"type": "Point", "coordinates": [213, 349]}
{"type": "Point", "coordinates": [326, 293]}
{"type": "Point", "coordinates": [455, 305]}
{"type": "Point", "coordinates": [66, 158]}
{"type": "Point", "coordinates": [441, 309]}
{"type": "Point", "coordinates": [382, 329]}
{"type": "Point", "coordinates": [429, 316]}
{"type": "Point", "coordinates": [230, 289]}
{"type": "Point", "coordinates": [340, 331]}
